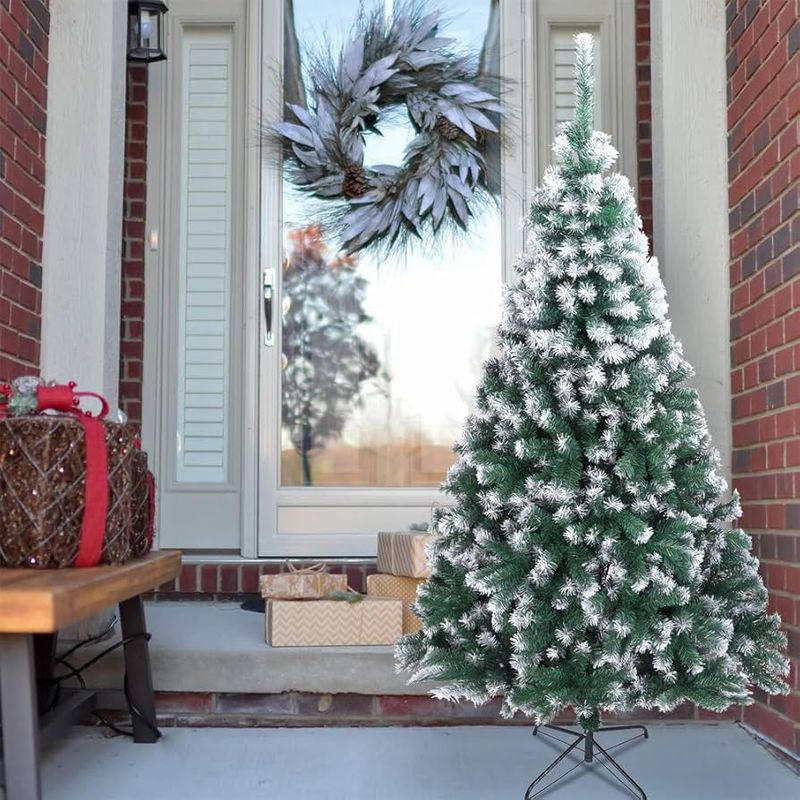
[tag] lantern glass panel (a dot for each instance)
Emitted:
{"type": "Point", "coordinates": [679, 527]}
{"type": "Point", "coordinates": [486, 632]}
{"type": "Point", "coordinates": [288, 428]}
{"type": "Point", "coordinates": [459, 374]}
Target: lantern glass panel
{"type": "Point", "coordinates": [150, 31]}
{"type": "Point", "coordinates": [133, 31]}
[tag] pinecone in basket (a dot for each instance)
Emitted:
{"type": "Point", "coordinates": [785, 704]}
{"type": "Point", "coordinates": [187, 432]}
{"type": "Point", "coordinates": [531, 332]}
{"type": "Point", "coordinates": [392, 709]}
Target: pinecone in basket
{"type": "Point", "coordinates": [446, 129]}
{"type": "Point", "coordinates": [355, 181]}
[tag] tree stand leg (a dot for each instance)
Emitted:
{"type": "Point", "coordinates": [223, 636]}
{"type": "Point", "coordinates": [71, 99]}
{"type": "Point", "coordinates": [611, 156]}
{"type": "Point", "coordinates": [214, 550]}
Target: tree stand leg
{"type": "Point", "coordinates": [592, 750]}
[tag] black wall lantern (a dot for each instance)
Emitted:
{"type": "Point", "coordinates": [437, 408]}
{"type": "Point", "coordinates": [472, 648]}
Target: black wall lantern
{"type": "Point", "coordinates": [146, 30]}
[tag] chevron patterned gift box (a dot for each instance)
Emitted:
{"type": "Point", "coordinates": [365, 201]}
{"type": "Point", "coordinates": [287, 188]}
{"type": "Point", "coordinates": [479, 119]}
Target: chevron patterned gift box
{"type": "Point", "coordinates": [403, 553]}
{"type": "Point", "coordinates": [401, 588]}
{"type": "Point", "coordinates": [329, 623]}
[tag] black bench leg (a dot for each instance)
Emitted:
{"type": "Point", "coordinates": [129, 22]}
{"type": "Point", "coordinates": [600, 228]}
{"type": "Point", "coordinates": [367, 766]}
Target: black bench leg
{"type": "Point", "coordinates": [20, 717]}
{"type": "Point", "coordinates": [44, 654]}
{"type": "Point", "coordinates": [139, 681]}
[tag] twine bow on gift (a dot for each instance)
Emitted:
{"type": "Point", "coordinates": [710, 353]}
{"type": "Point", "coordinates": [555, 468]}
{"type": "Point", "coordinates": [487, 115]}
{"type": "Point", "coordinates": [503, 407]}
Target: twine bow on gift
{"type": "Point", "coordinates": [317, 568]}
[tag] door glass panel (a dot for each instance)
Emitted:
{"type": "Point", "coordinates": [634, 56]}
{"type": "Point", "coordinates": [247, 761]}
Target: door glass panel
{"type": "Point", "coordinates": [380, 358]}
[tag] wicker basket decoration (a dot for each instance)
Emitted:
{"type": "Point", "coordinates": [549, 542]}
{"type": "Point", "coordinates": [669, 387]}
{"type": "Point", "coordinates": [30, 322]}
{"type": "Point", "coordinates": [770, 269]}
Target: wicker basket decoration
{"type": "Point", "coordinates": [46, 488]}
{"type": "Point", "coordinates": [143, 511]}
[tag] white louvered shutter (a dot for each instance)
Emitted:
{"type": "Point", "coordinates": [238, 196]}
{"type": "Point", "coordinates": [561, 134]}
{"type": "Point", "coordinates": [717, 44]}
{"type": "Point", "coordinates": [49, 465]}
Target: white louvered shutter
{"type": "Point", "coordinates": [205, 258]}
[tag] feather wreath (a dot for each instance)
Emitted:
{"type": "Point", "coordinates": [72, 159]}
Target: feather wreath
{"type": "Point", "coordinates": [388, 63]}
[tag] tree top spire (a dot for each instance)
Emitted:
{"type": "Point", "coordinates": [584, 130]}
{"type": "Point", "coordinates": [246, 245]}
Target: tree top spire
{"type": "Point", "coordinates": [580, 130]}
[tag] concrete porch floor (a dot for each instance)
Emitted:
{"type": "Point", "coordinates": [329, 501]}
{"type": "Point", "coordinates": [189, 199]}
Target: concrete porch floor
{"type": "Point", "coordinates": [686, 762]}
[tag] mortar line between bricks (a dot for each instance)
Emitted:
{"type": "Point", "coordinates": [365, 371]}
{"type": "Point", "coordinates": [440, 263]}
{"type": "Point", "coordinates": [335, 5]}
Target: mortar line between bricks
{"type": "Point", "coordinates": [781, 317]}
{"type": "Point", "coordinates": [764, 178]}
{"type": "Point", "coordinates": [790, 470]}
{"type": "Point", "coordinates": [769, 501]}
{"type": "Point", "coordinates": [768, 413]}
{"type": "Point", "coordinates": [763, 237]}
{"type": "Point", "coordinates": [731, 153]}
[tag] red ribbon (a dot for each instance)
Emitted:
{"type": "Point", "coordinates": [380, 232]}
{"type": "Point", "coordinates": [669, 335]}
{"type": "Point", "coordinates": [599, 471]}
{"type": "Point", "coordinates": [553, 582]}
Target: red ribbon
{"type": "Point", "coordinates": [95, 494]}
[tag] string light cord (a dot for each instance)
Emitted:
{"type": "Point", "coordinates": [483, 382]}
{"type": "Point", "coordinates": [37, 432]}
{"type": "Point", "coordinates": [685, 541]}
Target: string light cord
{"type": "Point", "coordinates": [77, 674]}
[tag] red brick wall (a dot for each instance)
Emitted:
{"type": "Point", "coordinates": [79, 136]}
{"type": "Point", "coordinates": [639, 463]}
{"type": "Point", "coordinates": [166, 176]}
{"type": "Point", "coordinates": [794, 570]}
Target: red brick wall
{"type": "Point", "coordinates": [643, 115]}
{"type": "Point", "coordinates": [23, 117]}
{"type": "Point", "coordinates": [133, 241]}
{"type": "Point", "coordinates": [764, 174]}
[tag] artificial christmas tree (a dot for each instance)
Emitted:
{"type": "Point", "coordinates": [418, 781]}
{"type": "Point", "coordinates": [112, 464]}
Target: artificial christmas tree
{"type": "Point", "coordinates": [588, 560]}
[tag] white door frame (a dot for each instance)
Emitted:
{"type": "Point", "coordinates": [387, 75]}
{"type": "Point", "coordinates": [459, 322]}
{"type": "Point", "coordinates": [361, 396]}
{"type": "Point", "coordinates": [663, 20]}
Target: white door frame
{"type": "Point", "coordinates": [156, 400]}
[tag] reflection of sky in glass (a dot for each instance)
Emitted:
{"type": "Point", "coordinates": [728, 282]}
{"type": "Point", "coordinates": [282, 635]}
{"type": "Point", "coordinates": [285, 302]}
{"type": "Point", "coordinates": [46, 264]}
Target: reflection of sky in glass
{"type": "Point", "coordinates": [434, 316]}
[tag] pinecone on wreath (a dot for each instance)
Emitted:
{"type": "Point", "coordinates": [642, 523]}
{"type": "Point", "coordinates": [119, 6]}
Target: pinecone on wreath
{"type": "Point", "coordinates": [355, 181]}
{"type": "Point", "coordinates": [446, 128]}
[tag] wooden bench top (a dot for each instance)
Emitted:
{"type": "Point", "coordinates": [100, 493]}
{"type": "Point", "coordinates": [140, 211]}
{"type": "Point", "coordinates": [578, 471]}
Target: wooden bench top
{"type": "Point", "coordinates": [45, 600]}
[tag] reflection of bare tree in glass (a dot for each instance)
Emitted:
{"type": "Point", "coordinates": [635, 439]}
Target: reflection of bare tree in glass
{"type": "Point", "coordinates": [326, 362]}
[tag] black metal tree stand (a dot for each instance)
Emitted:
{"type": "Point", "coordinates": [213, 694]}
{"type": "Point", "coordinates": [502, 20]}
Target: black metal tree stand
{"type": "Point", "coordinates": [592, 750]}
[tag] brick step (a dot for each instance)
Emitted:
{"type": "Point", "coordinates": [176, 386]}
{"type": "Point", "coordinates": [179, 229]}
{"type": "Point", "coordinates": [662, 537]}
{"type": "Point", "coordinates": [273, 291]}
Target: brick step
{"type": "Point", "coordinates": [216, 579]}
{"type": "Point", "coordinates": [311, 709]}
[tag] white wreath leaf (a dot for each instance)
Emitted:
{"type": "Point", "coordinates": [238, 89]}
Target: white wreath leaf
{"type": "Point", "coordinates": [388, 62]}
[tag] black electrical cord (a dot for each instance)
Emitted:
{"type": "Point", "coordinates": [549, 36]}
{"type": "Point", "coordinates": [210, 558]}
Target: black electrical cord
{"type": "Point", "coordinates": [76, 672]}
{"type": "Point", "coordinates": [92, 639]}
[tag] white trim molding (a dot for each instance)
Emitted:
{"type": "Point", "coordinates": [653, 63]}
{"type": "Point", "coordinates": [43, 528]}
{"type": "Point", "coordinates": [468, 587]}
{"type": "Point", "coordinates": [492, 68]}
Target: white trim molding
{"type": "Point", "coordinates": [83, 200]}
{"type": "Point", "coordinates": [690, 193]}
{"type": "Point", "coordinates": [195, 511]}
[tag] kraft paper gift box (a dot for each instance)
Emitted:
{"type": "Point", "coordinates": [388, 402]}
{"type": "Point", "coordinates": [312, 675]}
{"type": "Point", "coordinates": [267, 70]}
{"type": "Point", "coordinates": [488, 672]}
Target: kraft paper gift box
{"type": "Point", "coordinates": [401, 588]}
{"type": "Point", "coordinates": [403, 553]}
{"type": "Point", "coordinates": [302, 584]}
{"type": "Point", "coordinates": [330, 623]}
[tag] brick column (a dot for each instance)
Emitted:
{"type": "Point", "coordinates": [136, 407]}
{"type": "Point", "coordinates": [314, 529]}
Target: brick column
{"type": "Point", "coordinates": [23, 116]}
{"type": "Point", "coordinates": [763, 66]}
{"type": "Point", "coordinates": [131, 348]}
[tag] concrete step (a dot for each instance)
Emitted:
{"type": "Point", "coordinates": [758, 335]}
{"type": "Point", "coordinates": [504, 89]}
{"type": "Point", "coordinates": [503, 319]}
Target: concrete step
{"type": "Point", "coordinates": [218, 647]}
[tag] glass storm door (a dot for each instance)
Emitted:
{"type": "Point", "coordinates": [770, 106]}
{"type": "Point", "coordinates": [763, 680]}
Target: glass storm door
{"type": "Point", "coordinates": [368, 367]}
{"type": "Point", "coordinates": [307, 430]}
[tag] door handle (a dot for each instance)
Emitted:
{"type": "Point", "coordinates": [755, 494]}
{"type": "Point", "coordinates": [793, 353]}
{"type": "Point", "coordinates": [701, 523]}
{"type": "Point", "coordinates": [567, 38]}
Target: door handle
{"type": "Point", "coordinates": [269, 291]}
